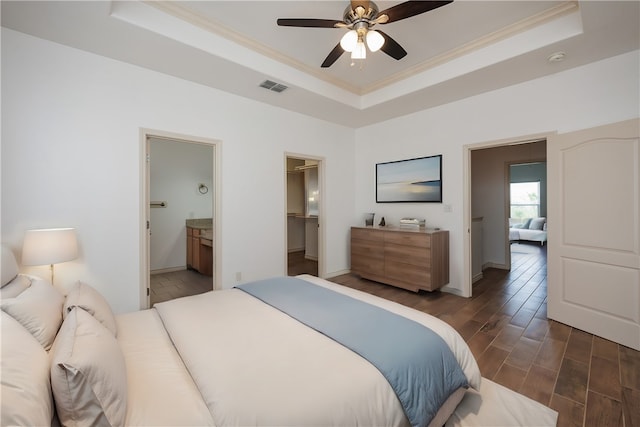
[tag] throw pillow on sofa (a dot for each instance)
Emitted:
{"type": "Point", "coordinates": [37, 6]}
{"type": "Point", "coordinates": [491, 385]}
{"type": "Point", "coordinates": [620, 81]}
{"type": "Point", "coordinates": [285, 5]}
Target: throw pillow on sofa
{"type": "Point", "coordinates": [537, 223]}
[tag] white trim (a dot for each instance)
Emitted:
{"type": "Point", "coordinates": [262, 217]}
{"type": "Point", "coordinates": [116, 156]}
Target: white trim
{"type": "Point", "coordinates": [168, 270]}
{"type": "Point", "coordinates": [213, 26]}
{"type": "Point", "coordinates": [496, 265]}
{"type": "Point", "coordinates": [337, 273]}
{"type": "Point", "coordinates": [477, 277]}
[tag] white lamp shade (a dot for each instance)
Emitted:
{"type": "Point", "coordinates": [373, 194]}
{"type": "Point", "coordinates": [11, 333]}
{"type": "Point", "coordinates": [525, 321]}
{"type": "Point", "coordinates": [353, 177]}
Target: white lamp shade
{"type": "Point", "coordinates": [49, 246]}
{"type": "Point", "coordinates": [374, 40]}
{"type": "Point", "coordinates": [360, 52]}
{"type": "Point", "coordinates": [349, 40]}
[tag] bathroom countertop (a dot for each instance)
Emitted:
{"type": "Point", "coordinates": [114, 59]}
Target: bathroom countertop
{"type": "Point", "coordinates": [200, 223]}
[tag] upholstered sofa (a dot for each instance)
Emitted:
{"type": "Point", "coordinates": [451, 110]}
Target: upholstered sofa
{"type": "Point", "coordinates": [529, 229]}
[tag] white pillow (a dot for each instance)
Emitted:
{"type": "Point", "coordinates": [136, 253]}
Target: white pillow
{"type": "Point", "coordinates": [26, 390]}
{"type": "Point", "coordinates": [15, 287]}
{"type": "Point", "coordinates": [9, 266]}
{"type": "Point", "coordinates": [38, 309]}
{"type": "Point", "coordinates": [88, 373]}
{"type": "Point", "coordinates": [84, 296]}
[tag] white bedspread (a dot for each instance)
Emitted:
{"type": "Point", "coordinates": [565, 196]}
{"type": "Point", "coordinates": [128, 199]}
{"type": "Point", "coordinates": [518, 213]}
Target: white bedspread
{"type": "Point", "coordinates": [160, 389]}
{"type": "Point", "coordinates": [227, 338]}
{"type": "Point", "coordinates": [497, 406]}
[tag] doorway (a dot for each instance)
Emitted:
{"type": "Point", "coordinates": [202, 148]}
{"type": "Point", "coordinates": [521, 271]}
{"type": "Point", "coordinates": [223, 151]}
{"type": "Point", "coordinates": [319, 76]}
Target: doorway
{"type": "Point", "coordinates": [181, 205]}
{"type": "Point", "coordinates": [303, 215]}
{"type": "Point", "coordinates": [487, 205]}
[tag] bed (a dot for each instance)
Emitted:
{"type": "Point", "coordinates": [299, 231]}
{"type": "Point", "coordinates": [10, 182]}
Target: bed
{"type": "Point", "coordinates": [222, 358]}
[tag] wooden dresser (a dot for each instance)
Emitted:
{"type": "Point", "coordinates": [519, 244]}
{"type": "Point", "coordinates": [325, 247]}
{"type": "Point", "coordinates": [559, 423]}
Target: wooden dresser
{"type": "Point", "coordinates": [406, 258]}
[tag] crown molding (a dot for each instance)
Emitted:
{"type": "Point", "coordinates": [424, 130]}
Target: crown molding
{"type": "Point", "coordinates": [179, 11]}
{"type": "Point", "coordinates": [482, 42]}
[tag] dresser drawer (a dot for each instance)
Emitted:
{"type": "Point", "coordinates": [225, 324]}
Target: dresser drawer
{"type": "Point", "coordinates": [367, 266]}
{"type": "Point", "coordinates": [412, 255]}
{"type": "Point", "coordinates": [365, 234]}
{"type": "Point", "coordinates": [419, 240]}
{"type": "Point", "coordinates": [419, 276]}
{"type": "Point", "coordinates": [367, 248]}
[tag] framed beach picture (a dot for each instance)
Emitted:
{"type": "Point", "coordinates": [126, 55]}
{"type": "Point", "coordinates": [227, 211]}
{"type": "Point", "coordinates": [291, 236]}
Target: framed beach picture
{"type": "Point", "coordinates": [413, 180]}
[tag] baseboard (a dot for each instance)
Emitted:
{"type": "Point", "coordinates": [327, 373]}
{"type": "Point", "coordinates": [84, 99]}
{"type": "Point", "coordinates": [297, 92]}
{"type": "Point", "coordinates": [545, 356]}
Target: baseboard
{"type": "Point", "coordinates": [336, 274]}
{"type": "Point", "coordinates": [451, 290]}
{"type": "Point", "coordinates": [290, 250]}
{"type": "Point", "coordinates": [494, 265]}
{"type": "Point", "coordinates": [311, 257]}
{"type": "Point", "coordinates": [477, 277]}
{"type": "Point", "coordinates": [167, 270]}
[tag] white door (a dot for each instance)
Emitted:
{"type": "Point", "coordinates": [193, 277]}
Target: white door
{"type": "Point", "coordinates": [594, 231]}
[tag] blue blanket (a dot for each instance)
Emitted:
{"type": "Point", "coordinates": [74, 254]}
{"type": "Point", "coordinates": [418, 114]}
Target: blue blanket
{"type": "Point", "coordinates": [416, 361]}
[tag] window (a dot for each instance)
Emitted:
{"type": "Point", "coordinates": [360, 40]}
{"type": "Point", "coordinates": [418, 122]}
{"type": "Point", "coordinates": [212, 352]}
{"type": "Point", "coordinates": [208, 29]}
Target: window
{"type": "Point", "coordinates": [525, 199]}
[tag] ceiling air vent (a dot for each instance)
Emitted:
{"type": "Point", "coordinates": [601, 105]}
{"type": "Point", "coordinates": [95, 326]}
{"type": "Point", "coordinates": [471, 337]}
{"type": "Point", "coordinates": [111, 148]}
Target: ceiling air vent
{"type": "Point", "coordinates": [276, 87]}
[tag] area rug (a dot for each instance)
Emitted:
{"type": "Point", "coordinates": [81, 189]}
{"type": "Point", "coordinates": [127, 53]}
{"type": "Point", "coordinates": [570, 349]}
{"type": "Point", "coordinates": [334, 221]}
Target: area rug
{"type": "Point", "coordinates": [497, 406]}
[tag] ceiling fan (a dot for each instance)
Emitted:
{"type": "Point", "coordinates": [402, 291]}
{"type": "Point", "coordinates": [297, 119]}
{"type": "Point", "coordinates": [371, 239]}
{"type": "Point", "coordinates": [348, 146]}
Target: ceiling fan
{"type": "Point", "coordinates": [360, 17]}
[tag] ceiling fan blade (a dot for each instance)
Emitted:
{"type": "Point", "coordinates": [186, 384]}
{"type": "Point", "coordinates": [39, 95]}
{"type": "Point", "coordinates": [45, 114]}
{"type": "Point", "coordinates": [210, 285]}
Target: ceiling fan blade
{"type": "Point", "coordinates": [391, 47]}
{"type": "Point", "coordinates": [363, 3]}
{"type": "Point", "coordinates": [411, 8]}
{"type": "Point", "coordinates": [308, 22]}
{"type": "Point", "coordinates": [333, 56]}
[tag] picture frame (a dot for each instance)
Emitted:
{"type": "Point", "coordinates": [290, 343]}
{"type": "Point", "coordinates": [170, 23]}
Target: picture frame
{"type": "Point", "coordinates": [417, 180]}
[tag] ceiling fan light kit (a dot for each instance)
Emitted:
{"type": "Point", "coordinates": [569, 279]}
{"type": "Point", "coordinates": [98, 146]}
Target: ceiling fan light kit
{"type": "Point", "coordinates": [349, 40]}
{"type": "Point", "coordinates": [374, 40]}
{"type": "Point", "coordinates": [360, 52]}
{"type": "Point", "coordinates": [360, 17]}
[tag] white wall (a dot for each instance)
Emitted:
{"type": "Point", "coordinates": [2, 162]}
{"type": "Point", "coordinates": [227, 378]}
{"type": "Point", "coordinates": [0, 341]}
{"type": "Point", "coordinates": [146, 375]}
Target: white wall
{"type": "Point", "coordinates": [72, 156]}
{"type": "Point", "coordinates": [600, 93]}
{"type": "Point", "coordinates": [177, 169]}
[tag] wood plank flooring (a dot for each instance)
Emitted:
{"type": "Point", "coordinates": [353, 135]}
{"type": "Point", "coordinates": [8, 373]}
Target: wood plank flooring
{"type": "Point", "coordinates": [590, 381]}
{"type": "Point", "coordinates": [298, 264]}
{"type": "Point", "coordinates": [176, 284]}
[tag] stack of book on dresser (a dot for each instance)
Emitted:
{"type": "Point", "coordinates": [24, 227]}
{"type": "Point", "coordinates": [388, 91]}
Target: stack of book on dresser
{"type": "Point", "coordinates": [412, 223]}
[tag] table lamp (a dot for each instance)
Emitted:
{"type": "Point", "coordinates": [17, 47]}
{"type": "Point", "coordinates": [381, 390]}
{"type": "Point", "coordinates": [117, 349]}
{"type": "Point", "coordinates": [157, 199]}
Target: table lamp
{"type": "Point", "coordinates": [49, 246]}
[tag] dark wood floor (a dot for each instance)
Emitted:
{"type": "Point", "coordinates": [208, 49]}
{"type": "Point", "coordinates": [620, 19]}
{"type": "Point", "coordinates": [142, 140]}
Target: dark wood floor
{"type": "Point", "coordinates": [298, 264]}
{"type": "Point", "coordinates": [590, 381]}
{"type": "Point", "coordinates": [177, 284]}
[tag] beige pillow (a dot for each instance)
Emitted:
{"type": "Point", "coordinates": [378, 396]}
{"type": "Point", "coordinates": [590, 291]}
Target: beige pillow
{"type": "Point", "coordinates": [38, 309]}
{"type": "Point", "coordinates": [86, 297]}
{"type": "Point", "coordinates": [26, 390]}
{"type": "Point", "coordinates": [15, 287]}
{"type": "Point", "coordinates": [9, 266]}
{"type": "Point", "coordinates": [88, 374]}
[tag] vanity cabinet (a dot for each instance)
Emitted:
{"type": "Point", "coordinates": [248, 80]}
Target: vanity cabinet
{"type": "Point", "coordinates": [200, 245]}
{"type": "Point", "coordinates": [412, 259]}
{"type": "Point", "coordinates": [193, 248]}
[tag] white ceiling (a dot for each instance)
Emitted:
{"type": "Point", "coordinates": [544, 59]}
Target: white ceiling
{"type": "Point", "coordinates": [458, 50]}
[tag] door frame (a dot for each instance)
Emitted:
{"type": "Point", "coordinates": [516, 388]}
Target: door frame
{"type": "Point", "coordinates": [145, 201]}
{"type": "Point", "coordinates": [467, 277]}
{"type": "Point", "coordinates": [321, 209]}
